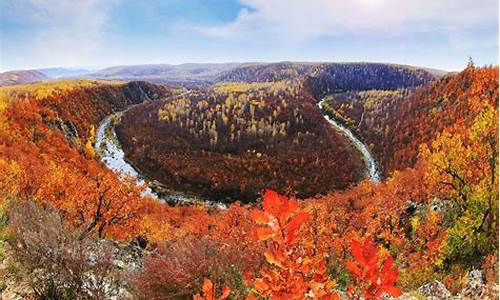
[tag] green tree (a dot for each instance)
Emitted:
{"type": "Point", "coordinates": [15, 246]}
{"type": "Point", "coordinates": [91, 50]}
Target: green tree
{"type": "Point", "coordinates": [464, 166]}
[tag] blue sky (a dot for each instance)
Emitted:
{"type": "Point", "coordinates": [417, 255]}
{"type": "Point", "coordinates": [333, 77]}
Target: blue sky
{"type": "Point", "coordinates": [68, 33]}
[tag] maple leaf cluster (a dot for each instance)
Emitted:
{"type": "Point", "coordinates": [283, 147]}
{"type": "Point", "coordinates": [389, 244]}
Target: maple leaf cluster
{"type": "Point", "coordinates": [295, 272]}
{"type": "Point", "coordinates": [374, 277]}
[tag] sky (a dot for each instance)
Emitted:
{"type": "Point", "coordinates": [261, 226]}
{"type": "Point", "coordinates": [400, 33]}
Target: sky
{"type": "Point", "coordinates": [440, 34]}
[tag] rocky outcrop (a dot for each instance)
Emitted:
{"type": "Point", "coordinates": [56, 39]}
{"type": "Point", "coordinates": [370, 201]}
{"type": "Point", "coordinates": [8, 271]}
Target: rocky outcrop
{"type": "Point", "coordinates": [475, 287]}
{"type": "Point", "coordinates": [435, 290]}
{"type": "Point", "coordinates": [67, 128]}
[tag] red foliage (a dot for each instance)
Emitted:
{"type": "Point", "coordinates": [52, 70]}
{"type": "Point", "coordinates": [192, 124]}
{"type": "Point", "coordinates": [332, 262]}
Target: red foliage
{"type": "Point", "coordinates": [294, 270]}
{"type": "Point", "coordinates": [209, 292]}
{"type": "Point", "coordinates": [373, 276]}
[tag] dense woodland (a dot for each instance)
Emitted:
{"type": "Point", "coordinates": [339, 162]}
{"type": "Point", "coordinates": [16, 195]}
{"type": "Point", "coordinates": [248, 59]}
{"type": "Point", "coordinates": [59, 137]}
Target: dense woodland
{"type": "Point", "coordinates": [324, 78]}
{"type": "Point", "coordinates": [65, 218]}
{"type": "Point", "coordinates": [256, 130]}
{"type": "Point", "coordinates": [396, 122]}
{"type": "Point", "coordinates": [333, 78]}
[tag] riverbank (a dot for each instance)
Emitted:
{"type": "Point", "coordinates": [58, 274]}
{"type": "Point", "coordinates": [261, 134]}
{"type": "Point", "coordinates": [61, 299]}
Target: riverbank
{"type": "Point", "coordinates": [107, 146]}
{"type": "Point", "coordinates": [371, 166]}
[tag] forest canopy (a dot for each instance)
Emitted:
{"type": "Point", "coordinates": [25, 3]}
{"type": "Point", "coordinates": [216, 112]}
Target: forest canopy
{"type": "Point", "coordinates": [433, 217]}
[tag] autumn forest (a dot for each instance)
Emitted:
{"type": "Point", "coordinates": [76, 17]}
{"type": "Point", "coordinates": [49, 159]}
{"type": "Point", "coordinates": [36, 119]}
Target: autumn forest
{"type": "Point", "coordinates": [277, 198]}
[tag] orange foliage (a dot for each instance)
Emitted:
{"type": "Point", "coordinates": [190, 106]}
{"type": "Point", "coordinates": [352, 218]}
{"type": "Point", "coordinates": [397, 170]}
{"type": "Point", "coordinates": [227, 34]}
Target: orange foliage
{"type": "Point", "coordinates": [294, 270]}
{"type": "Point", "coordinates": [294, 246]}
{"type": "Point", "coordinates": [373, 276]}
{"type": "Point", "coordinates": [55, 166]}
{"type": "Point", "coordinates": [209, 292]}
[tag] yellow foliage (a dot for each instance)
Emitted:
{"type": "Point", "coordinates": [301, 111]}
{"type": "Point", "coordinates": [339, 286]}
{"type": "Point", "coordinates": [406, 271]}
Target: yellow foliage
{"type": "Point", "coordinates": [89, 145]}
{"type": "Point", "coordinates": [464, 169]}
{"type": "Point", "coordinates": [415, 223]}
{"type": "Point", "coordinates": [275, 87]}
{"type": "Point", "coordinates": [41, 90]}
{"type": "Point", "coordinates": [10, 173]}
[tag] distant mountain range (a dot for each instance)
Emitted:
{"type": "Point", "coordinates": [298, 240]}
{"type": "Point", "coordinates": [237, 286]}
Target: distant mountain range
{"type": "Point", "coordinates": [21, 77]}
{"type": "Point", "coordinates": [65, 72]}
{"type": "Point", "coordinates": [199, 73]}
{"type": "Point", "coordinates": [188, 71]}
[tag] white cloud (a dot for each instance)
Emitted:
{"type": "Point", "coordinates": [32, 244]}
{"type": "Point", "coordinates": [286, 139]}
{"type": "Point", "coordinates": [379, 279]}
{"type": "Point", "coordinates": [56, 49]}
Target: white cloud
{"type": "Point", "coordinates": [66, 32]}
{"type": "Point", "coordinates": [302, 19]}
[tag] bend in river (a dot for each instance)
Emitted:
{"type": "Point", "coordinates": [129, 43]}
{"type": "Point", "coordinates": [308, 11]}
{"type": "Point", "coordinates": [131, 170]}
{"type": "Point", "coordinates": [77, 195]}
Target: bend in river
{"type": "Point", "coordinates": [109, 149]}
{"type": "Point", "coordinates": [371, 166]}
{"type": "Point", "coordinates": [111, 153]}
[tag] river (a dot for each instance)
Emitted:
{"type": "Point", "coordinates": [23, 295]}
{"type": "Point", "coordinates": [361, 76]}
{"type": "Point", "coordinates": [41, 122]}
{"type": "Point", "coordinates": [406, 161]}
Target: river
{"type": "Point", "coordinates": [112, 155]}
{"type": "Point", "coordinates": [371, 166]}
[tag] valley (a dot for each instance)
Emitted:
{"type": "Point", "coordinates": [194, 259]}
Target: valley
{"type": "Point", "coordinates": [249, 150]}
{"type": "Point", "coordinates": [109, 149]}
{"type": "Point", "coordinates": [262, 177]}
{"type": "Point", "coordinates": [189, 154]}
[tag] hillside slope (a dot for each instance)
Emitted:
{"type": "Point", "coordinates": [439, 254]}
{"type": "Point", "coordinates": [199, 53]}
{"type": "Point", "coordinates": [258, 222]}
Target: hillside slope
{"type": "Point", "coordinates": [229, 143]}
{"type": "Point", "coordinates": [21, 77]}
{"type": "Point", "coordinates": [436, 220]}
{"type": "Point", "coordinates": [395, 123]}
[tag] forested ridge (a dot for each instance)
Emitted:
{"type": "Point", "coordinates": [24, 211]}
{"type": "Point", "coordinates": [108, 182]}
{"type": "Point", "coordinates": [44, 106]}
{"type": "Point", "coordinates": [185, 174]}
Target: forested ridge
{"type": "Point", "coordinates": [396, 122]}
{"type": "Point", "coordinates": [263, 122]}
{"type": "Point", "coordinates": [66, 218]}
{"type": "Point", "coordinates": [255, 130]}
{"type": "Point", "coordinates": [323, 78]}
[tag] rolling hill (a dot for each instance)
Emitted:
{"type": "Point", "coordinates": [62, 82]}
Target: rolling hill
{"type": "Point", "coordinates": [434, 218]}
{"type": "Point", "coordinates": [165, 72]}
{"type": "Point", "coordinates": [21, 77]}
{"type": "Point", "coordinates": [261, 72]}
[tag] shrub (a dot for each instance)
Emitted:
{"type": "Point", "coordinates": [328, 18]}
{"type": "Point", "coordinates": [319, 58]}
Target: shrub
{"type": "Point", "coordinates": [177, 268]}
{"type": "Point", "coordinates": [54, 261]}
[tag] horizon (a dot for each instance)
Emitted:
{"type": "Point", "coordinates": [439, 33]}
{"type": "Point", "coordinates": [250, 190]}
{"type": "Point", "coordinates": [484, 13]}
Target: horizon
{"type": "Point", "coordinates": [100, 68]}
{"type": "Point", "coordinates": [100, 34]}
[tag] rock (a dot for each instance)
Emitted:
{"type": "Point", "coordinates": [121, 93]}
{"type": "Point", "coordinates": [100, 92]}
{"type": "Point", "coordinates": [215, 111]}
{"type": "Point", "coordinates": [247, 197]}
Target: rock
{"type": "Point", "coordinates": [435, 290]}
{"type": "Point", "coordinates": [67, 128]}
{"type": "Point", "coordinates": [405, 296]}
{"type": "Point", "coordinates": [474, 287]}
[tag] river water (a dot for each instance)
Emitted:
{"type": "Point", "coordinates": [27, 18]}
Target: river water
{"type": "Point", "coordinates": [371, 166]}
{"type": "Point", "coordinates": [111, 153]}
